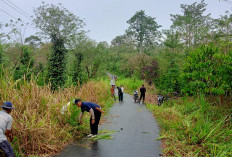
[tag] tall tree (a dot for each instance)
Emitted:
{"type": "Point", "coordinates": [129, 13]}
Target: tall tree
{"type": "Point", "coordinates": [193, 24]}
{"type": "Point", "coordinates": [55, 19]}
{"type": "Point", "coordinates": [143, 29]}
{"type": "Point", "coordinates": [224, 27]}
{"type": "Point", "coordinates": [56, 63]}
{"type": "Point", "coordinates": [60, 25]}
{"type": "Point", "coordinates": [172, 40]}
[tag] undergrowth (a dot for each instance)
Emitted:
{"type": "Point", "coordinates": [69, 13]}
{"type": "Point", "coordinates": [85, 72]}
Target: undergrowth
{"type": "Point", "coordinates": [194, 127]}
{"type": "Point", "coordinates": [39, 128]}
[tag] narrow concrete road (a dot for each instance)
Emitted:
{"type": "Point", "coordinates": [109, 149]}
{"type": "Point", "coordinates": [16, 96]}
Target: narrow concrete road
{"type": "Point", "coordinates": [135, 134]}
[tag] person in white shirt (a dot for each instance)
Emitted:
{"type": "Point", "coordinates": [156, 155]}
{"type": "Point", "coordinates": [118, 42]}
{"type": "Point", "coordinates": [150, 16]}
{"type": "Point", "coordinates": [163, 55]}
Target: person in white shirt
{"type": "Point", "coordinates": [122, 91]}
{"type": "Point", "coordinates": [5, 128]}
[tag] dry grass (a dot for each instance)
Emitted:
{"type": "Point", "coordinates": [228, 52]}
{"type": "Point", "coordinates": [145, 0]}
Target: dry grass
{"type": "Point", "coordinates": [39, 129]}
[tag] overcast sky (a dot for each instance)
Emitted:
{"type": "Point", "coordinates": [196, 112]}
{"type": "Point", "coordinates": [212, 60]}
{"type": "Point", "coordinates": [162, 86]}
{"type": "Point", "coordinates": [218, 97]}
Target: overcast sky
{"type": "Point", "coordinates": [106, 19]}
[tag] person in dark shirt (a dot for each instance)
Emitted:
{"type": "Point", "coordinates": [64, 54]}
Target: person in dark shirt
{"type": "Point", "coordinates": [95, 111]}
{"type": "Point", "coordinates": [142, 93]}
{"type": "Point", "coordinates": [119, 94]}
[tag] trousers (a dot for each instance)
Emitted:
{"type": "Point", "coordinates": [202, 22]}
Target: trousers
{"type": "Point", "coordinates": [94, 127]}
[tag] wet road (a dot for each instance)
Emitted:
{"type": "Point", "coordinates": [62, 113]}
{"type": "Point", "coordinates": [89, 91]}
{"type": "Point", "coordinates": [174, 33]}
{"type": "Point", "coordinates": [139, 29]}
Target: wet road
{"type": "Point", "coordinates": [135, 134]}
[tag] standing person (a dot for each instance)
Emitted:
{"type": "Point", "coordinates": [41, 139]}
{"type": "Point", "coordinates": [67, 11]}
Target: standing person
{"type": "Point", "coordinates": [95, 111]}
{"type": "Point", "coordinates": [112, 91]}
{"type": "Point", "coordinates": [5, 128]}
{"type": "Point", "coordinates": [142, 93]}
{"type": "Point", "coordinates": [122, 91]}
{"type": "Point", "coordinates": [119, 94]}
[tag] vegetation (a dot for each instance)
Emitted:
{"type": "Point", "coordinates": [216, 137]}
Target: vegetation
{"type": "Point", "coordinates": [193, 58]}
{"type": "Point", "coordinates": [41, 129]}
{"type": "Point", "coordinates": [193, 127]}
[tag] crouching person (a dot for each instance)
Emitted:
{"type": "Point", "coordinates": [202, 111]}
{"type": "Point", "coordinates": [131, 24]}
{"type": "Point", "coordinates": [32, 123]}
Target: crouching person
{"type": "Point", "coordinates": [95, 111]}
{"type": "Point", "coordinates": [5, 128]}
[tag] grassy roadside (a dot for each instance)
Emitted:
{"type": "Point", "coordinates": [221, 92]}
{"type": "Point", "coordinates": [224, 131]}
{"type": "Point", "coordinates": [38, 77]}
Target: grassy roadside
{"type": "Point", "coordinates": [189, 126]}
{"type": "Point", "coordinates": [193, 127]}
{"type": "Point", "coordinates": [39, 128]}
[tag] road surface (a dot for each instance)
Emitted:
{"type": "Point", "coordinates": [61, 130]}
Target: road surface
{"type": "Point", "coordinates": [134, 134]}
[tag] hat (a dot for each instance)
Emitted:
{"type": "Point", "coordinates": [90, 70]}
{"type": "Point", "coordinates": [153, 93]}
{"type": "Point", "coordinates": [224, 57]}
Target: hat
{"type": "Point", "coordinates": [7, 105]}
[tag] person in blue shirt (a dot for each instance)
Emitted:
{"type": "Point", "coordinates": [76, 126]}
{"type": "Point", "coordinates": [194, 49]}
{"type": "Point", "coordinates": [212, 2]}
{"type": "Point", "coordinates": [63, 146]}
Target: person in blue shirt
{"type": "Point", "coordinates": [95, 111]}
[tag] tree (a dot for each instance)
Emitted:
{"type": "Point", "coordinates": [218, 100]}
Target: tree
{"type": "Point", "coordinates": [193, 24]}
{"type": "Point", "coordinates": [77, 77]}
{"type": "Point", "coordinates": [56, 63]}
{"type": "Point", "coordinates": [17, 31]}
{"type": "Point", "coordinates": [150, 71]}
{"type": "Point", "coordinates": [137, 63]}
{"type": "Point", "coordinates": [122, 40]}
{"type": "Point", "coordinates": [143, 29]}
{"type": "Point", "coordinates": [224, 27]}
{"type": "Point", "coordinates": [52, 19]}
{"type": "Point", "coordinates": [60, 25]}
{"type": "Point", "coordinates": [208, 71]}
{"type": "Point", "coordinates": [33, 40]}
{"type": "Point", "coordinates": [24, 68]}
{"type": "Point", "coordinates": [172, 40]}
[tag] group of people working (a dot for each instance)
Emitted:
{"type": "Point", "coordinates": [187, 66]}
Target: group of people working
{"type": "Point", "coordinates": [94, 109]}
{"type": "Point", "coordinates": [121, 91]}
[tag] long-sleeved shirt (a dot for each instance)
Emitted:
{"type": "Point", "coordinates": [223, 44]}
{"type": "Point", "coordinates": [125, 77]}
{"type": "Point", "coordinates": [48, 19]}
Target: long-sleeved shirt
{"type": "Point", "coordinates": [143, 90]}
{"type": "Point", "coordinates": [5, 124]}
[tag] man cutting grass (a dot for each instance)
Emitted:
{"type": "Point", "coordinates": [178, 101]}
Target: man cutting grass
{"type": "Point", "coordinates": [5, 129]}
{"type": "Point", "coordinates": [95, 111]}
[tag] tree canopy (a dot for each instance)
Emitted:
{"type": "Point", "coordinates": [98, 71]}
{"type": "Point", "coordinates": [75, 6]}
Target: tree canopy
{"type": "Point", "coordinates": [143, 29]}
{"type": "Point", "coordinates": [57, 20]}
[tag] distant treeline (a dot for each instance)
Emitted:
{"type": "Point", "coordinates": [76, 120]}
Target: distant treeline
{"type": "Point", "coordinates": [193, 56]}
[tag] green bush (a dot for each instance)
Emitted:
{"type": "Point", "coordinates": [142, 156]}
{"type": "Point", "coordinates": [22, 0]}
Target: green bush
{"type": "Point", "coordinates": [208, 71]}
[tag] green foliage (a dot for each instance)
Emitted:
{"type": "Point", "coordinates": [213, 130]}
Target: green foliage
{"type": "Point", "coordinates": [56, 63]}
{"type": "Point", "coordinates": [172, 40]}
{"type": "Point", "coordinates": [55, 19]}
{"type": "Point", "coordinates": [77, 77]}
{"type": "Point", "coordinates": [32, 40]}
{"type": "Point", "coordinates": [169, 81]}
{"type": "Point", "coordinates": [129, 84]}
{"type": "Point", "coordinates": [143, 30]}
{"type": "Point", "coordinates": [24, 69]}
{"type": "Point", "coordinates": [193, 25]}
{"type": "Point", "coordinates": [194, 128]}
{"type": "Point", "coordinates": [223, 26]}
{"type": "Point", "coordinates": [207, 71]}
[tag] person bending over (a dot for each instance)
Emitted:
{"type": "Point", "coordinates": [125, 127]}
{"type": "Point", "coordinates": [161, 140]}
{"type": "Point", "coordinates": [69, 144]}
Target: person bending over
{"type": "Point", "coordinates": [95, 111]}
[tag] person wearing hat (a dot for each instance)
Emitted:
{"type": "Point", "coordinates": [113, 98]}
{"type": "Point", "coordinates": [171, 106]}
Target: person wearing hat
{"type": "Point", "coordinates": [5, 128]}
{"type": "Point", "coordinates": [95, 111]}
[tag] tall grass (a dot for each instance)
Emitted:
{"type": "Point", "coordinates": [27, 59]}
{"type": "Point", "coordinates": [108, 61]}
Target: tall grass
{"type": "Point", "coordinates": [39, 128]}
{"type": "Point", "coordinates": [193, 127]}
